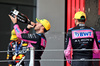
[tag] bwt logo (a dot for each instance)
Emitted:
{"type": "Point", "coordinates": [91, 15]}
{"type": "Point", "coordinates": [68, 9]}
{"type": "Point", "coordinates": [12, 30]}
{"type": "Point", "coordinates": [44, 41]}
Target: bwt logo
{"type": "Point", "coordinates": [81, 34]}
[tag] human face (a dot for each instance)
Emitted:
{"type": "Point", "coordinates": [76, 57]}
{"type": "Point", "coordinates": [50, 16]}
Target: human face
{"type": "Point", "coordinates": [76, 22]}
{"type": "Point", "coordinates": [38, 26]}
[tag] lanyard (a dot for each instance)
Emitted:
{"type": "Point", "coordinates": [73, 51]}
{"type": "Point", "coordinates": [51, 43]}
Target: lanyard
{"type": "Point", "coordinates": [17, 48]}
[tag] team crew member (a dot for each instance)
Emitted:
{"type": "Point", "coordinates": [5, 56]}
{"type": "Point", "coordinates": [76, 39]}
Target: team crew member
{"type": "Point", "coordinates": [83, 38]}
{"type": "Point", "coordinates": [16, 50]}
{"type": "Point", "coordinates": [38, 39]}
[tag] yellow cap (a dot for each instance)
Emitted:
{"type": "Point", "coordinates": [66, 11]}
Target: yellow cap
{"type": "Point", "coordinates": [79, 14]}
{"type": "Point", "coordinates": [45, 23]}
{"type": "Point", "coordinates": [13, 35]}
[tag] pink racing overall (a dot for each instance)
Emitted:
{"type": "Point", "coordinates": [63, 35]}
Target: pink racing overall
{"type": "Point", "coordinates": [34, 40]}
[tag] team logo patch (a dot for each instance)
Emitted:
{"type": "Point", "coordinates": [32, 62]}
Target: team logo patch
{"type": "Point", "coordinates": [82, 34]}
{"type": "Point", "coordinates": [43, 42]}
{"type": "Point", "coordinates": [17, 30]}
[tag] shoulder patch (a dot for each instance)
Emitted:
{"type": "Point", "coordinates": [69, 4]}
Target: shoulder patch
{"type": "Point", "coordinates": [92, 28]}
{"type": "Point", "coordinates": [70, 29]}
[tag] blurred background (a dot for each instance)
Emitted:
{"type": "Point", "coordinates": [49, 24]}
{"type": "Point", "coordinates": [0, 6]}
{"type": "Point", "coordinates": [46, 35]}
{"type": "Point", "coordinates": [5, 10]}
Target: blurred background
{"type": "Point", "coordinates": [56, 11]}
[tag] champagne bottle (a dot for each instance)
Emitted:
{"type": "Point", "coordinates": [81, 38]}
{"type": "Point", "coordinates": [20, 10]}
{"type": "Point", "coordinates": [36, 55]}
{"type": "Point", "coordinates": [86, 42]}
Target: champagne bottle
{"type": "Point", "coordinates": [20, 17]}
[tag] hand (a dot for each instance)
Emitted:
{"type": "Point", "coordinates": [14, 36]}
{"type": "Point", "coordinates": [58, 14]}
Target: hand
{"type": "Point", "coordinates": [29, 26]}
{"type": "Point", "coordinates": [32, 23]}
{"type": "Point", "coordinates": [14, 20]}
{"type": "Point", "coordinates": [68, 58]}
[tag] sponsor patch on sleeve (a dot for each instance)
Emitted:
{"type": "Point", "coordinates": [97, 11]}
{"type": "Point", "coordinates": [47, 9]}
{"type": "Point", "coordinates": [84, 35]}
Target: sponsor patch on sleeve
{"type": "Point", "coordinates": [17, 30]}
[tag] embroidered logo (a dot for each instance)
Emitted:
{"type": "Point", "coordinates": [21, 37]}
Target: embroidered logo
{"type": "Point", "coordinates": [82, 34]}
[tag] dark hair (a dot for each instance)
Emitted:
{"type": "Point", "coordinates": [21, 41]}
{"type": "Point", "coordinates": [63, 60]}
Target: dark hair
{"type": "Point", "coordinates": [45, 30]}
{"type": "Point", "coordinates": [82, 19]}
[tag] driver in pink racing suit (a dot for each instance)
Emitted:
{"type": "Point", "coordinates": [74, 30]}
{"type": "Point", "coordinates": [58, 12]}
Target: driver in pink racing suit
{"type": "Point", "coordinates": [81, 38]}
{"type": "Point", "coordinates": [38, 39]}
